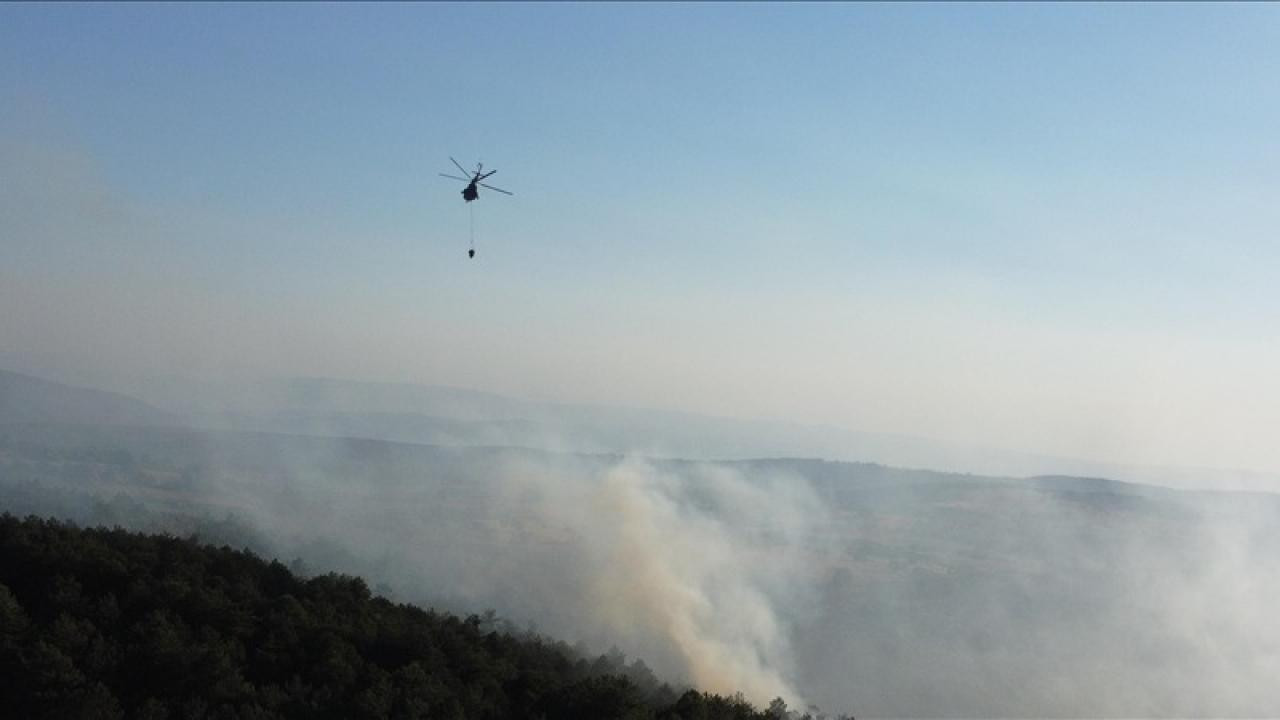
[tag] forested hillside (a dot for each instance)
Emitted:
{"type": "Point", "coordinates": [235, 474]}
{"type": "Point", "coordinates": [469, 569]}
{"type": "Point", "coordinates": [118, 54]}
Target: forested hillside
{"type": "Point", "coordinates": [892, 592]}
{"type": "Point", "coordinates": [98, 623]}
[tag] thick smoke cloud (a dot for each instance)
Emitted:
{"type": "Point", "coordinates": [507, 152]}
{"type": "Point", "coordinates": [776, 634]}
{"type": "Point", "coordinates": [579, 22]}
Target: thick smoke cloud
{"type": "Point", "coordinates": [685, 568]}
{"type": "Point", "coordinates": [694, 568]}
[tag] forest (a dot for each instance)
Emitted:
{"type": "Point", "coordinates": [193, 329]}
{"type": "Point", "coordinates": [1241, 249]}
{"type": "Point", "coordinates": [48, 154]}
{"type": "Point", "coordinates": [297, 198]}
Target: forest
{"type": "Point", "coordinates": [107, 623]}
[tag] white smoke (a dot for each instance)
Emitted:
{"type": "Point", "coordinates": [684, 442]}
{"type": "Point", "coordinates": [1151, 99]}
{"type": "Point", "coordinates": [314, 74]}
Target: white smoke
{"type": "Point", "coordinates": [686, 567]}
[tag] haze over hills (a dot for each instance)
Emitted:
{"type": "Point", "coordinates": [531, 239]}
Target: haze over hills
{"type": "Point", "coordinates": [855, 586]}
{"type": "Point", "coordinates": [440, 415]}
{"type": "Point", "coordinates": [27, 399]}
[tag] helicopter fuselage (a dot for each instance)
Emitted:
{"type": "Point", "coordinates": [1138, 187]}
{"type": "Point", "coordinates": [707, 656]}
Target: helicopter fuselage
{"type": "Point", "coordinates": [473, 180]}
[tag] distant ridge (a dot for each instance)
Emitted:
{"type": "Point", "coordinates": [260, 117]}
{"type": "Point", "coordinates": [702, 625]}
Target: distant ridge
{"type": "Point", "coordinates": [27, 399]}
{"type": "Point", "coordinates": [452, 416]}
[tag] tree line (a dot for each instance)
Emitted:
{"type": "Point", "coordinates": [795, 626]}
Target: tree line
{"type": "Point", "coordinates": [107, 623]}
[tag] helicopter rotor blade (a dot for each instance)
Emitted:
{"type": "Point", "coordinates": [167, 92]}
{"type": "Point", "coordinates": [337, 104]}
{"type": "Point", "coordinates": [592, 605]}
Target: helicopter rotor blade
{"type": "Point", "coordinates": [455, 177]}
{"type": "Point", "coordinates": [486, 174]}
{"type": "Point", "coordinates": [455, 162]}
{"type": "Point", "coordinates": [505, 192]}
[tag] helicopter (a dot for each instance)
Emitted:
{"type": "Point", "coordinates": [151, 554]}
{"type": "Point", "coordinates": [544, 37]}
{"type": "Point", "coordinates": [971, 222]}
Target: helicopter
{"type": "Point", "coordinates": [470, 192]}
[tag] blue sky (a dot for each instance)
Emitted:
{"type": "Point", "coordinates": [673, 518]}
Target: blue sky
{"type": "Point", "coordinates": [1047, 227]}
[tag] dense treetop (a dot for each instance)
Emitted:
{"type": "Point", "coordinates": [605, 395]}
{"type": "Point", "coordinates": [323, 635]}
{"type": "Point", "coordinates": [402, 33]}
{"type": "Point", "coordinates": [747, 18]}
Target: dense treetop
{"type": "Point", "coordinates": [98, 623]}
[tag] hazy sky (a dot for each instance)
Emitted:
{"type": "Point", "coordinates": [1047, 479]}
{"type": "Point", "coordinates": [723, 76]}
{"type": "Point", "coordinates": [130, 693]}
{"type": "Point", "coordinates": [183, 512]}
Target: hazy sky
{"type": "Point", "coordinates": [1049, 228]}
